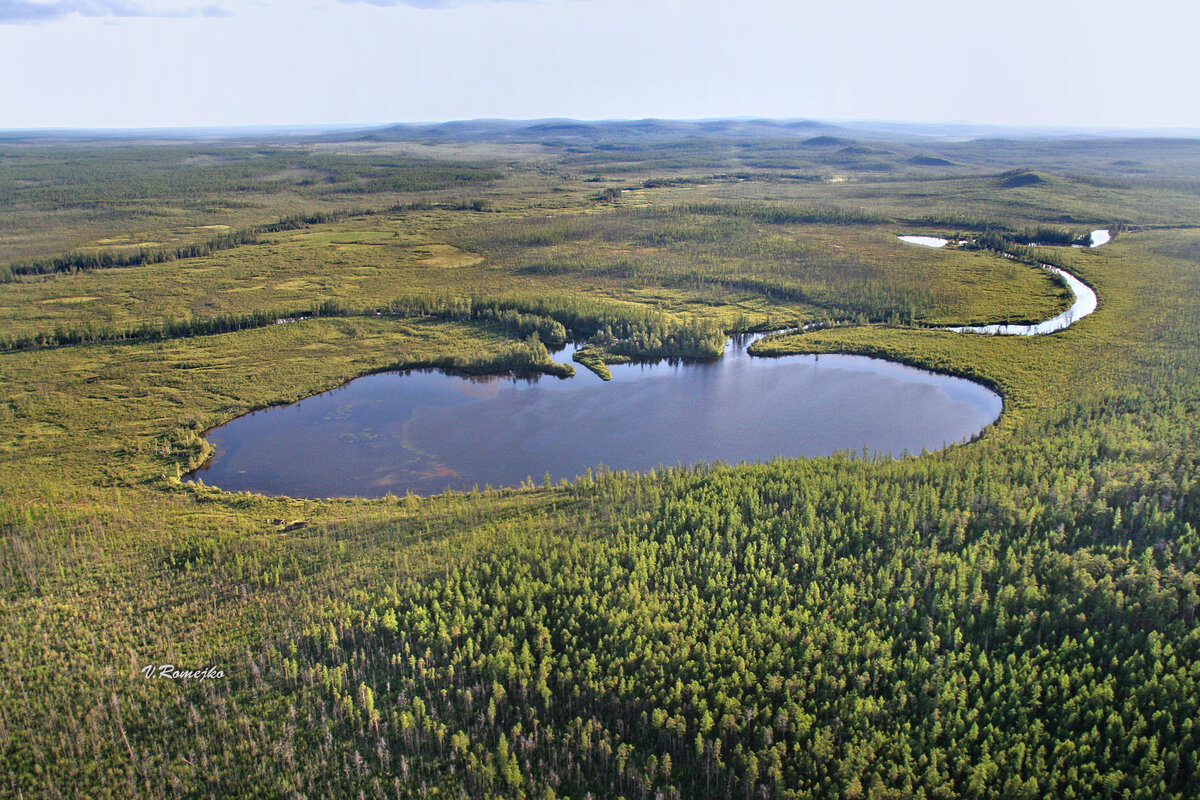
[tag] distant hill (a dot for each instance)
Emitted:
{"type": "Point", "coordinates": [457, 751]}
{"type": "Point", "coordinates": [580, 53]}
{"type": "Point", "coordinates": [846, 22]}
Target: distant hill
{"type": "Point", "coordinates": [931, 161]}
{"type": "Point", "coordinates": [1019, 178]}
{"type": "Point", "coordinates": [828, 141]}
{"type": "Point", "coordinates": [565, 131]}
{"type": "Point", "coordinates": [864, 150]}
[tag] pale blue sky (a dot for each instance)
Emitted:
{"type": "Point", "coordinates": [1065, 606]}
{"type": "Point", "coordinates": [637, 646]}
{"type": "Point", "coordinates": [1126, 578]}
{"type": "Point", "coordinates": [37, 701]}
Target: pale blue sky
{"type": "Point", "coordinates": [136, 63]}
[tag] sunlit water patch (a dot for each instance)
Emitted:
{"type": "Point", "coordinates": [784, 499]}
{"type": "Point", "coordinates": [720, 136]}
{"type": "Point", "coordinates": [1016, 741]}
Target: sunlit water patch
{"type": "Point", "coordinates": [927, 241]}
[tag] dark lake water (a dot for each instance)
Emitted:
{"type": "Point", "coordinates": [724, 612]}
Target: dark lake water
{"type": "Point", "coordinates": [426, 431]}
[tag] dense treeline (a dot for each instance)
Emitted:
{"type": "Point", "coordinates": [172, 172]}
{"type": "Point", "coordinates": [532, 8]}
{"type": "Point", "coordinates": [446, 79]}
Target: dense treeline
{"type": "Point", "coordinates": [664, 182]}
{"type": "Point", "coordinates": [620, 340]}
{"type": "Point", "coordinates": [1049, 235]}
{"type": "Point", "coordinates": [1028, 253]}
{"type": "Point", "coordinates": [471, 204]}
{"type": "Point", "coordinates": [167, 329]}
{"type": "Point", "coordinates": [109, 259]}
{"type": "Point", "coordinates": [508, 319]}
{"type": "Point", "coordinates": [527, 356]}
{"type": "Point", "coordinates": [514, 316]}
{"type": "Point", "coordinates": [783, 214]}
{"type": "Point", "coordinates": [620, 333]}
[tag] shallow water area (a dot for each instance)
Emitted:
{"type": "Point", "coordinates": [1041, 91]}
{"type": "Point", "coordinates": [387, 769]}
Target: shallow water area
{"type": "Point", "coordinates": [425, 431]}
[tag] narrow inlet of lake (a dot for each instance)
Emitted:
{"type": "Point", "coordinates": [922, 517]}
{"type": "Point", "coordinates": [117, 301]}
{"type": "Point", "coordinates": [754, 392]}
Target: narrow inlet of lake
{"type": "Point", "coordinates": [424, 431]}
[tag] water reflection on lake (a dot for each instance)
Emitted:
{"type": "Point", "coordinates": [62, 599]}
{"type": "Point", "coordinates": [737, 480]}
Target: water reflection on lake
{"type": "Point", "coordinates": [426, 431]}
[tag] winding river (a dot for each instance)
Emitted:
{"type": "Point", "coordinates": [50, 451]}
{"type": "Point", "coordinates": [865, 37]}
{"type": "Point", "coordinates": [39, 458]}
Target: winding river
{"type": "Point", "coordinates": [1085, 297]}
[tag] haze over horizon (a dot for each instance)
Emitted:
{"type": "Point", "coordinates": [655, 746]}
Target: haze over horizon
{"type": "Point", "coordinates": [948, 129]}
{"type": "Point", "coordinates": [178, 63]}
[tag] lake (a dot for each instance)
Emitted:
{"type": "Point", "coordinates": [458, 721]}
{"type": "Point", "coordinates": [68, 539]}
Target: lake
{"type": "Point", "coordinates": [425, 431]}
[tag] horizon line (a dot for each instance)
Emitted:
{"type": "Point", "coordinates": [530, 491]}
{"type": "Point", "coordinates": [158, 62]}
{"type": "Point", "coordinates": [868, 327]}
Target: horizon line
{"type": "Point", "coordinates": [295, 127]}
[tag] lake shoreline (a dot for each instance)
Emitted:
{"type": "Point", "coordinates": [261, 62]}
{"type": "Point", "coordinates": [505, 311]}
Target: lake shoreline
{"type": "Point", "coordinates": [736, 408]}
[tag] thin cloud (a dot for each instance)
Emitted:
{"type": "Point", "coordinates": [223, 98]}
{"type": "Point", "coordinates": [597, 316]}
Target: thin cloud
{"type": "Point", "coordinates": [426, 3]}
{"type": "Point", "coordinates": [415, 3]}
{"type": "Point", "coordinates": [26, 12]}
